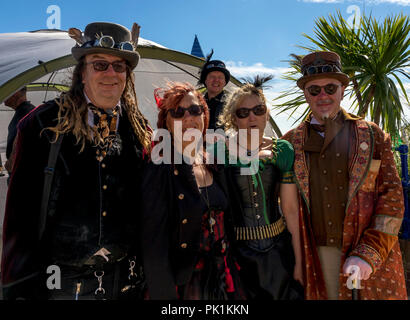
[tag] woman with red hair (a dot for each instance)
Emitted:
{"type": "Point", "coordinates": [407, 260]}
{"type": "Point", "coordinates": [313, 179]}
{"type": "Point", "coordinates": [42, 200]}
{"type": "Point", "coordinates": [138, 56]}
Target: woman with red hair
{"type": "Point", "coordinates": [184, 246]}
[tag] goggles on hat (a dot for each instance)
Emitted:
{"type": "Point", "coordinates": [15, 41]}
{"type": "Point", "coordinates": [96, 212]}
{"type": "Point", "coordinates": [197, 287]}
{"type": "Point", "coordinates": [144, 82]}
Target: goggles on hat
{"type": "Point", "coordinates": [216, 65]}
{"type": "Point", "coordinates": [258, 110]}
{"type": "Point", "coordinates": [179, 112]}
{"type": "Point", "coordinates": [321, 69]}
{"type": "Point", "coordinates": [108, 42]}
{"type": "Point", "coordinates": [330, 89]}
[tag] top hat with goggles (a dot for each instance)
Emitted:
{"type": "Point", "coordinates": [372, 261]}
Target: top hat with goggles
{"type": "Point", "coordinates": [107, 38]}
{"type": "Point", "coordinates": [322, 64]}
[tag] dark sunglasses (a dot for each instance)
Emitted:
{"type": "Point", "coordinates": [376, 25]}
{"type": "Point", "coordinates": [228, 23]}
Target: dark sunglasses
{"type": "Point", "coordinates": [179, 112]}
{"type": "Point", "coordinates": [330, 88]}
{"type": "Point", "coordinates": [258, 110]}
{"type": "Point", "coordinates": [102, 65]}
{"type": "Point", "coordinates": [321, 69]}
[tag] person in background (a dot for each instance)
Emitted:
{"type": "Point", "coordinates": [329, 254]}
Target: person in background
{"type": "Point", "coordinates": [18, 102]}
{"type": "Point", "coordinates": [215, 76]}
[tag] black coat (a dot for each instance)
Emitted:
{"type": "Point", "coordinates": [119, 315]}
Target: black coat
{"type": "Point", "coordinates": [172, 217]}
{"type": "Point", "coordinates": [83, 189]}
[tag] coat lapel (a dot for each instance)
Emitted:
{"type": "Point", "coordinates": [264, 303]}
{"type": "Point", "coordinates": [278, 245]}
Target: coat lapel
{"type": "Point", "coordinates": [300, 167]}
{"type": "Point", "coordinates": [363, 154]}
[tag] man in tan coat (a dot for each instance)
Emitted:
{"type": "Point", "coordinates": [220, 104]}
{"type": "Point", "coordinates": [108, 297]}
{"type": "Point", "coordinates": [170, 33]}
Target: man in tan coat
{"type": "Point", "coordinates": [350, 193]}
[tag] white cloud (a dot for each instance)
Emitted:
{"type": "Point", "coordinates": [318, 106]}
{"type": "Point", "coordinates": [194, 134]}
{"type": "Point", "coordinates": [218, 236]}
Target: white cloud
{"type": "Point", "coordinates": [240, 70]}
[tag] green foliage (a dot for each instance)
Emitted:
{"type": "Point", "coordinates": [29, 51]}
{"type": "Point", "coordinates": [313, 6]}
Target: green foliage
{"type": "Point", "coordinates": [374, 56]}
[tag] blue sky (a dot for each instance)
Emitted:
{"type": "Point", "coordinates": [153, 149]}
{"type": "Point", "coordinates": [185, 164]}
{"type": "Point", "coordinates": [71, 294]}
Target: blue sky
{"type": "Point", "coordinates": [250, 35]}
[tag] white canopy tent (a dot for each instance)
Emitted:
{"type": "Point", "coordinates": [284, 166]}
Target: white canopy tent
{"type": "Point", "coordinates": [42, 60]}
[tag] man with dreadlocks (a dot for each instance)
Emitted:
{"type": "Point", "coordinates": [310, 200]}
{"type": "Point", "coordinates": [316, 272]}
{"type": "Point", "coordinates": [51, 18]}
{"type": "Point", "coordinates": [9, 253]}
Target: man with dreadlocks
{"type": "Point", "coordinates": [215, 76]}
{"type": "Point", "coordinates": [77, 165]}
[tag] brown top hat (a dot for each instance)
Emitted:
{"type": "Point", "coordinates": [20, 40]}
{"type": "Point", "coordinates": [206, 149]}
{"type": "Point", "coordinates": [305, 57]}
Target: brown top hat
{"type": "Point", "coordinates": [322, 64]}
{"type": "Point", "coordinates": [108, 38]}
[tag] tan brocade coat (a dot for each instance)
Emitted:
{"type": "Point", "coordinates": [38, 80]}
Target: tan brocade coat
{"type": "Point", "coordinates": [373, 215]}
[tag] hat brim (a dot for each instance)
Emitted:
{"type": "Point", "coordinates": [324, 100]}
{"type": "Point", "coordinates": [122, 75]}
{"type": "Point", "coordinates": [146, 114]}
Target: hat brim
{"type": "Point", "coordinates": [131, 56]}
{"type": "Point", "coordinates": [342, 77]}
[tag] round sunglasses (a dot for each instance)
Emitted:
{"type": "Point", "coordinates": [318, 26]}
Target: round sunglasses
{"type": "Point", "coordinates": [102, 65]}
{"type": "Point", "coordinates": [258, 110]}
{"type": "Point", "coordinates": [330, 88]}
{"type": "Point", "coordinates": [179, 112]}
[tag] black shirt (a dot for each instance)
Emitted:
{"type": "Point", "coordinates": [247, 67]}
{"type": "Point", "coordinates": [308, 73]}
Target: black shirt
{"type": "Point", "coordinates": [215, 106]}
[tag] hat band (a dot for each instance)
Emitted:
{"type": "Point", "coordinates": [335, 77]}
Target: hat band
{"type": "Point", "coordinates": [326, 68]}
{"type": "Point", "coordinates": [108, 42]}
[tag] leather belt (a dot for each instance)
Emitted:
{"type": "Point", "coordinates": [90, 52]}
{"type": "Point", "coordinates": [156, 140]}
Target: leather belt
{"type": "Point", "coordinates": [260, 232]}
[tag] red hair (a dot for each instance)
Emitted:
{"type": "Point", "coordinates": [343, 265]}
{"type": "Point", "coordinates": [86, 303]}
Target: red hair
{"type": "Point", "coordinates": [172, 96]}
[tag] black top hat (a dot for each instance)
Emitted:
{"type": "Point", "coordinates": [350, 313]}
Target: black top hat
{"type": "Point", "coordinates": [108, 38]}
{"type": "Point", "coordinates": [214, 65]}
{"type": "Point", "coordinates": [322, 64]}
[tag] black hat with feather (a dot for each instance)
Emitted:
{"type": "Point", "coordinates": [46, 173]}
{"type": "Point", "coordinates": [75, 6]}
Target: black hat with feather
{"type": "Point", "coordinates": [108, 38]}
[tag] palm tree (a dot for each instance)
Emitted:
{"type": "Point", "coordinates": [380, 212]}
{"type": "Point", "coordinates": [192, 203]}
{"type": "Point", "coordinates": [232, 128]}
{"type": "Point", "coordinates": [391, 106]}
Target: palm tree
{"type": "Point", "coordinates": [374, 56]}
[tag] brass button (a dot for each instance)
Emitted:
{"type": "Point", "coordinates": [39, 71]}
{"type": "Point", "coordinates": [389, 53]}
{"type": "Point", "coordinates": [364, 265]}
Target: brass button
{"type": "Point", "coordinates": [105, 187]}
{"type": "Point", "coordinates": [104, 214]}
{"type": "Point", "coordinates": [176, 172]}
{"type": "Point", "coordinates": [181, 196]}
{"type": "Point", "coordinates": [326, 188]}
{"type": "Point", "coordinates": [338, 154]}
{"type": "Point", "coordinates": [324, 171]}
{"type": "Point", "coordinates": [339, 171]}
{"type": "Point", "coordinates": [103, 165]}
{"type": "Point", "coordinates": [184, 245]}
{"type": "Point", "coordinates": [185, 221]}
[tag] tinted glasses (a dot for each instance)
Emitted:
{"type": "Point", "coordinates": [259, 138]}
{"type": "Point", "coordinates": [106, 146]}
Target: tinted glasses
{"type": "Point", "coordinates": [330, 88]}
{"type": "Point", "coordinates": [102, 65]}
{"type": "Point", "coordinates": [258, 110]}
{"type": "Point", "coordinates": [179, 112]}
